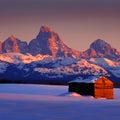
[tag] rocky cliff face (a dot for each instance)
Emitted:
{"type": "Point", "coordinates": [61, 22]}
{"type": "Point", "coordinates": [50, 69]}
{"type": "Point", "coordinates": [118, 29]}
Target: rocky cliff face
{"type": "Point", "coordinates": [10, 45]}
{"type": "Point", "coordinates": [49, 42]}
{"type": "Point", "coordinates": [13, 45]}
{"type": "Point", "coordinates": [23, 46]}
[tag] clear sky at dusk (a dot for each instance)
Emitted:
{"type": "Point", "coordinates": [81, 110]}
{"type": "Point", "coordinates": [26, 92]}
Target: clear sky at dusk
{"type": "Point", "coordinates": [78, 22]}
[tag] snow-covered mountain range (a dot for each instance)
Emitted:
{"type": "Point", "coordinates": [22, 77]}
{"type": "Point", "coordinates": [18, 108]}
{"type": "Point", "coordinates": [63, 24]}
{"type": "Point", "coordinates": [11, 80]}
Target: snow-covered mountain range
{"type": "Point", "coordinates": [46, 59]}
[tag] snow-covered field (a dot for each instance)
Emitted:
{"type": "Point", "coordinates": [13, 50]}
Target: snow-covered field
{"type": "Point", "coordinates": [45, 102]}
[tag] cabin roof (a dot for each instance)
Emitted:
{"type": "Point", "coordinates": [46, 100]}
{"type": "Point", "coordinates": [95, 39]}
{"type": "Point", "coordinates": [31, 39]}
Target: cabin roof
{"type": "Point", "coordinates": [92, 79]}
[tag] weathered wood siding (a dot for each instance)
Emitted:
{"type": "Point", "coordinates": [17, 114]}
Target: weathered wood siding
{"type": "Point", "coordinates": [103, 88]}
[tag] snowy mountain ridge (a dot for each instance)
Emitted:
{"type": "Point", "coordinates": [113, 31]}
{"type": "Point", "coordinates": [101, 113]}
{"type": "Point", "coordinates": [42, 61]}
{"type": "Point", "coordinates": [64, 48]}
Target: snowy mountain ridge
{"type": "Point", "coordinates": [111, 66]}
{"type": "Point", "coordinates": [17, 58]}
{"type": "Point", "coordinates": [46, 58]}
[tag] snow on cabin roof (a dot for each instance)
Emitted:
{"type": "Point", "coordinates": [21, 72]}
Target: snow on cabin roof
{"type": "Point", "coordinates": [92, 79]}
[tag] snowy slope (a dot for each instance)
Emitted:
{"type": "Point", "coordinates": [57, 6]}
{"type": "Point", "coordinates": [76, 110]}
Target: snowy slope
{"type": "Point", "coordinates": [17, 65]}
{"type": "Point", "coordinates": [21, 58]}
{"type": "Point", "coordinates": [80, 67]}
{"type": "Point", "coordinates": [3, 67]}
{"type": "Point", "coordinates": [104, 62]}
{"type": "Point", "coordinates": [111, 66]}
{"type": "Point", "coordinates": [45, 69]}
{"type": "Point", "coordinates": [34, 102]}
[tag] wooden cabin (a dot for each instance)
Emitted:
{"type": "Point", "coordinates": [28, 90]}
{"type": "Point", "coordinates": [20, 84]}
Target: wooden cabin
{"type": "Point", "coordinates": [98, 87]}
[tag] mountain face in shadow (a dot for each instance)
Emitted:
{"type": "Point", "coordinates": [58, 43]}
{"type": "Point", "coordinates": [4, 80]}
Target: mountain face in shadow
{"type": "Point", "coordinates": [13, 45]}
{"type": "Point", "coordinates": [49, 42]}
{"type": "Point", "coordinates": [100, 48]}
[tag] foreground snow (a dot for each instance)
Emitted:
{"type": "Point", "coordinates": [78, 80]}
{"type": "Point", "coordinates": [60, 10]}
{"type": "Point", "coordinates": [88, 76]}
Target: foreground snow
{"type": "Point", "coordinates": [44, 102]}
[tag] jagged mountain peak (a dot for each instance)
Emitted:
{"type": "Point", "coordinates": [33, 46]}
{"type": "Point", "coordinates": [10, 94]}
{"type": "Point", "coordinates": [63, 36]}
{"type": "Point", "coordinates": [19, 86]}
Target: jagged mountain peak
{"type": "Point", "coordinates": [10, 45]}
{"type": "Point", "coordinates": [46, 33]}
{"type": "Point", "coordinates": [100, 44]}
{"type": "Point", "coordinates": [99, 41]}
{"type": "Point", "coordinates": [45, 29]}
{"type": "Point", "coordinates": [48, 42]}
{"type": "Point", "coordinates": [100, 48]}
{"type": "Point", "coordinates": [14, 45]}
{"type": "Point", "coordinates": [12, 37]}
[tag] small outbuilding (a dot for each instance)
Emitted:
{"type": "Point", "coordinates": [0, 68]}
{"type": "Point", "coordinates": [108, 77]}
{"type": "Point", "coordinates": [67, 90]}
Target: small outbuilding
{"type": "Point", "coordinates": [98, 87]}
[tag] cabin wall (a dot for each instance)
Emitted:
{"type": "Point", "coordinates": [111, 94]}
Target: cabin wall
{"type": "Point", "coordinates": [82, 88]}
{"type": "Point", "coordinates": [103, 91]}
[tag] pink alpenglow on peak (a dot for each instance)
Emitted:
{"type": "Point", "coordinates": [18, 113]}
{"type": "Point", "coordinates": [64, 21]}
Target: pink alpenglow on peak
{"type": "Point", "coordinates": [100, 48]}
{"type": "Point", "coordinates": [10, 45]}
{"type": "Point", "coordinates": [45, 29]}
{"type": "Point", "coordinates": [12, 37]}
{"type": "Point", "coordinates": [48, 42]}
{"type": "Point", "coordinates": [14, 45]}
